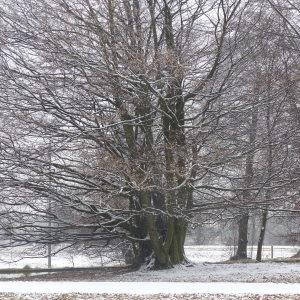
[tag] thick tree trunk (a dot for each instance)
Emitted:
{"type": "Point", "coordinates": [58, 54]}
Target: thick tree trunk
{"type": "Point", "coordinates": [163, 255]}
{"type": "Point", "coordinates": [177, 255]}
{"type": "Point", "coordinates": [168, 250]}
{"type": "Point", "coordinates": [162, 235]}
{"type": "Point", "coordinates": [243, 237]}
{"type": "Point", "coordinates": [262, 235]}
{"type": "Point", "coordinates": [162, 239]}
{"type": "Point", "coordinates": [142, 250]}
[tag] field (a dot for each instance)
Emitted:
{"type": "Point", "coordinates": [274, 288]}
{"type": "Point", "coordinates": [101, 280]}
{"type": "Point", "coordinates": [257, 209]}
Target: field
{"type": "Point", "coordinates": [197, 254]}
{"type": "Point", "coordinates": [211, 276]}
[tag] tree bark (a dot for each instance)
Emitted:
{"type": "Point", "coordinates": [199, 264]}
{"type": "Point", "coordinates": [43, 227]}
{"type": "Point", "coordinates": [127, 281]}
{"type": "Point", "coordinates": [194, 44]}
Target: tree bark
{"type": "Point", "coordinates": [262, 235]}
{"type": "Point", "coordinates": [297, 255]}
{"type": "Point", "coordinates": [269, 174]}
{"type": "Point", "coordinates": [243, 222]}
{"type": "Point", "coordinates": [161, 235]}
{"type": "Point", "coordinates": [243, 237]}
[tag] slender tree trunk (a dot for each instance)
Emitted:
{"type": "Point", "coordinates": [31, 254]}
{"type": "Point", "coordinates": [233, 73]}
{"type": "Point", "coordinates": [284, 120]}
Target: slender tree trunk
{"type": "Point", "coordinates": [262, 235]}
{"type": "Point", "coordinates": [243, 222]}
{"type": "Point", "coordinates": [268, 191]}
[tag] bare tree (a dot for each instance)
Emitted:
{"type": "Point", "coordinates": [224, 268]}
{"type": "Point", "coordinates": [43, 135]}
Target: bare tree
{"type": "Point", "coordinates": [135, 102]}
{"type": "Point", "coordinates": [123, 90]}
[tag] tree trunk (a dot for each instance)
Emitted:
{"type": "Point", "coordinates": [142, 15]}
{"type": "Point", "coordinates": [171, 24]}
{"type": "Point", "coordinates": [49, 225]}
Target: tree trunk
{"type": "Point", "coordinates": [262, 235]}
{"type": "Point", "coordinates": [162, 235]}
{"type": "Point", "coordinates": [160, 244]}
{"type": "Point", "coordinates": [165, 255]}
{"type": "Point", "coordinates": [243, 222]}
{"type": "Point", "coordinates": [268, 186]}
{"type": "Point", "coordinates": [243, 238]}
{"type": "Point", "coordinates": [297, 255]}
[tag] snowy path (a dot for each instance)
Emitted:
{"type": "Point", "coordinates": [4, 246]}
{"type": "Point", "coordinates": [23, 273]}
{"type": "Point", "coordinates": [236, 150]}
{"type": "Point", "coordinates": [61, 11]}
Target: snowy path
{"type": "Point", "coordinates": [147, 288]}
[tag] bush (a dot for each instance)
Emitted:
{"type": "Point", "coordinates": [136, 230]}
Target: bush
{"type": "Point", "coordinates": [27, 269]}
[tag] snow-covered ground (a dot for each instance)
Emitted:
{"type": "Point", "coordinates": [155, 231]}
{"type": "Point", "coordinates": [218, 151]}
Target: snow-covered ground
{"type": "Point", "coordinates": [15, 258]}
{"type": "Point", "coordinates": [207, 272]}
{"type": "Point", "coordinates": [221, 253]}
{"type": "Point", "coordinates": [146, 288]}
{"type": "Point", "coordinates": [197, 254]}
{"type": "Point", "coordinates": [206, 279]}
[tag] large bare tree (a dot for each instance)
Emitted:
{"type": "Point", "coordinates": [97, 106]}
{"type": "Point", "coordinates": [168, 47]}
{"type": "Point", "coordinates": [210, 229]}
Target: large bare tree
{"type": "Point", "coordinates": [120, 120]}
{"type": "Point", "coordinates": [113, 101]}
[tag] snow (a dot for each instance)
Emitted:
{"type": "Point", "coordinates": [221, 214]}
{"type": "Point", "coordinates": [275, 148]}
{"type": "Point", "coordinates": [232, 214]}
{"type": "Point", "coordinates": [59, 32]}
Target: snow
{"type": "Point", "coordinates": [217, 253]}
{"type": "Point", "coordinates": [6, 276]}
{"type": "Point", "coordinates": [237, 272]}
{"type": "Point", "coordinates": [197, 254]}
{"type": "Point", "coordinates": [147, 288]}
{"type": "Point", "coordinates": [13, 259]}
{"type": "Point", "coordinates": [205, 277]}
